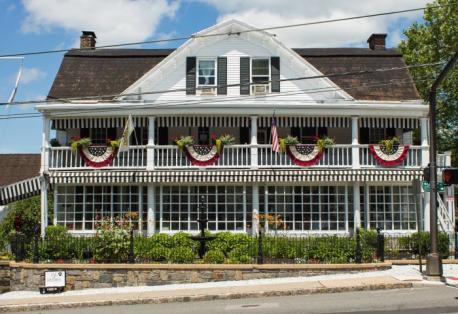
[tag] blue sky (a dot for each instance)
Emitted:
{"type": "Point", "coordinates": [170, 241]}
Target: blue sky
{"type": "Point", "coordinates": [31, 25]}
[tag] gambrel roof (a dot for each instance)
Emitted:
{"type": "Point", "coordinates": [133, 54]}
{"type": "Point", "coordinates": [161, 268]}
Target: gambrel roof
{"type": "Point", "coordinates": [85, 73]}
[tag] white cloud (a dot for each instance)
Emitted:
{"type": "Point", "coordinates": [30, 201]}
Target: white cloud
{"type": "Point", "coordinates": [113, 21]}
{"type": "Point", "coordinates": [31, 74]}
{"type": "Point", "coordinates": [265, 13]}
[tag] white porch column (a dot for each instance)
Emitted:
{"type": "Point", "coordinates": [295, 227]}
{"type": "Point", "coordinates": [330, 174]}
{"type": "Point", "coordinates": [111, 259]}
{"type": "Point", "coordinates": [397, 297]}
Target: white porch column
{"type": "Point", "coordinates": [151, 145]}
{"type": "Point", "coordinates": [44, 174]}
{"type": "Point", "coordinates": [255, 210]}
{"type": "Point", "coordinates": [151, 214]}
{"type": "Point", "coordinates": [356, 206]}
{"type": "Point", "coordinates": [424, 163]}
{"type": "Point", "coordinates": [355, 142]}
{"type": "Point", "coordinates": [254, 142]}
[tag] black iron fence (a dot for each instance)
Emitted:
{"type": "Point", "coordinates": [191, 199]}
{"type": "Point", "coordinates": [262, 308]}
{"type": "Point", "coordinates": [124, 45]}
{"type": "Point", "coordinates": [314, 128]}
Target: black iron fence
{"type": "Point", "coordinates": [225, 247]}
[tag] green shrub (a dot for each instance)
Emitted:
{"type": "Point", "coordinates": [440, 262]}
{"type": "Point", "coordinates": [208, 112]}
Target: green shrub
{"type": "Point", "coordinates": [112, 243]}
{"type": "Point", "coordinates": [421, 241]}
{"type": "Point", "coordinates": [227, 241]}
{"type": "Point", "coordinates": [181, 255]}
{"type": "Point", "coordinates": [57, 244]}
{"type": "Point", "coordinates": [240, 255]}
{"type": "Point", "coordinates": [162, 239]}
{"type": "Point", "coordinates": [214, 257]}
{"type": "Point", "coordinates": [183, 239]}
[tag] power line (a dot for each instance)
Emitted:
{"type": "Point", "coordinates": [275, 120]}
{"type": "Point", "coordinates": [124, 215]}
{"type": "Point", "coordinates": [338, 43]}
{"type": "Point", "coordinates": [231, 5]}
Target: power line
{"type": "Point", "coordinates": [155, 41]}
{"type": "Point", "coordinates": [168, 104]}
{"type": "Point", "coordinates": [331, 75]}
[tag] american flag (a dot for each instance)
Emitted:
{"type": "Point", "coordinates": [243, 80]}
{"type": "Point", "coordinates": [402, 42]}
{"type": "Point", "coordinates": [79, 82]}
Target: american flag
{"type": "Point", "coordinates": [274, 136]}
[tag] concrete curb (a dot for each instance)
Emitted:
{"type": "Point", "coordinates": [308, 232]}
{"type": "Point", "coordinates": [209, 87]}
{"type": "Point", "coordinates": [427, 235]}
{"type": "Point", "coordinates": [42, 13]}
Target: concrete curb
{"type": "Point", "coordinates": [200, 297]}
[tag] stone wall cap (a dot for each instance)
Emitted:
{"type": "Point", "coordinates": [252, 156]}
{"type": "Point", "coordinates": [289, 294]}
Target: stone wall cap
{"type": "Point", "coordinates": [203, 266]}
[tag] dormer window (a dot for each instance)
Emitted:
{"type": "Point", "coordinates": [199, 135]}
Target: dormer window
{"type": "Point", "coordinates": [260, 76]}
{"type": "Point", "coordinates": [206, 74]}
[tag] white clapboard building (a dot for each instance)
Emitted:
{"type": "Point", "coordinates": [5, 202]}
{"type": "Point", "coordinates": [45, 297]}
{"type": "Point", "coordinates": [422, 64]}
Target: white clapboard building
{"type": "Point", "coordinates": [233, 79]}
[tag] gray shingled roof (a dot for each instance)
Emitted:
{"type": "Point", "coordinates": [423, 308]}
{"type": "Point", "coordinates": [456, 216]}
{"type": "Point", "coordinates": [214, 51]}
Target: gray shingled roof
{"type": "Point", "coordinates": [111, 71]}
{"type": "Point", "coordinates": [18, 167]}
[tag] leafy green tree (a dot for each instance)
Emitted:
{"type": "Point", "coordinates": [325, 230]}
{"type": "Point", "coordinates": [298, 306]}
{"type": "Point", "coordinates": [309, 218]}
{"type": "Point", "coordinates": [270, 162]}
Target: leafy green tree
{"type": "Point", "coordinates": [436, 40]}
{"type": "Point", "coordinates": [25, 216]}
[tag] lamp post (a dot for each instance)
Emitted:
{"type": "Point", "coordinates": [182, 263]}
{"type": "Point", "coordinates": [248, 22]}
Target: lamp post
{"type": "Point", "coordinates": [433, 260]}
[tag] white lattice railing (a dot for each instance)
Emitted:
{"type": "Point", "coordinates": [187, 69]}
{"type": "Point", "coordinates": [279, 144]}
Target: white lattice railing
{"type": "Point", "coordinates": [446, 221]}
{"type": "Point", "coordinates": [413, 158]}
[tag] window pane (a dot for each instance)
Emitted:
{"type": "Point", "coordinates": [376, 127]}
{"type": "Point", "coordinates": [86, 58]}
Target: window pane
{"type": "Point", "coordinates": [206, 72]}
{"type": "Point", "coordinates": [260, 67]}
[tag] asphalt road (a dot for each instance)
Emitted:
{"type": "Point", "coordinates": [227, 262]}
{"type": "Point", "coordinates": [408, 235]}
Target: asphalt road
{"type": "Point", "coordinates": [419, 300]}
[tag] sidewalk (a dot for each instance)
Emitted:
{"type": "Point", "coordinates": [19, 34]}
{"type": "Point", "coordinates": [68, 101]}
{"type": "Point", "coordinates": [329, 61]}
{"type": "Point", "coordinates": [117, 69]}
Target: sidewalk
{"type": "Point", "coordinates": [397, 277]}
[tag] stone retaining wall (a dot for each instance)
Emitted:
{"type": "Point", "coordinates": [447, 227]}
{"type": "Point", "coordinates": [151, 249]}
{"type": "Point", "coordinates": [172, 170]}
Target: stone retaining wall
{"type": "Point", "coordinates": [26, 276]}
{"type": "Point", "coordinates": [4, 276]}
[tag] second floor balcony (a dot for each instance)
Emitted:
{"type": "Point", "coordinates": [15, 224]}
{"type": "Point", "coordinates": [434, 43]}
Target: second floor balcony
{"type": "Point", "coordinates": [232, 157]}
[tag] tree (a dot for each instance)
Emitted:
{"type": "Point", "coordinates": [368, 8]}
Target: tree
{"type": "Point", "coordinates": [23, 216]}
{"type": "Point", "coordinates": [436, 40]}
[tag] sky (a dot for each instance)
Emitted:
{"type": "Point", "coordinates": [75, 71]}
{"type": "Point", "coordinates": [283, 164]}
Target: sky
{"type": "Point", "coordinates": [32, 25]}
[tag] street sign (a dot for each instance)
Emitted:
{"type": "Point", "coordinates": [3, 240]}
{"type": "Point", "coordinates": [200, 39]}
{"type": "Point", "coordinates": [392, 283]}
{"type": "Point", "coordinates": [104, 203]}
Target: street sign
{"type": "Point", "coordinates": [427, 187]}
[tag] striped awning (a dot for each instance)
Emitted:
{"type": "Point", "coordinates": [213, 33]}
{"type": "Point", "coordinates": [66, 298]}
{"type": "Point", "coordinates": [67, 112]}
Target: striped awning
{"type": "Point", "coordinates": [19, 190]}
{"type": "Point", "coordinates": [232, 176]}
{"type": "Point", "coordinates": [76, 123]}
{"type": "Point", "coordinates": [402, 123]}
{"type": "Point", "coordinates": [200, 121]}
{"type": "Point", "coordinates": [331, 122]}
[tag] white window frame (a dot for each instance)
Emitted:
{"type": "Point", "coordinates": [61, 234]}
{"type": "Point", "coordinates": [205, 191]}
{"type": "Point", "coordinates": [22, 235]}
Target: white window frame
{"type": "Point", "coordinates": [216, 71]}
{"type": "Point", "coordinates": [251, 72]}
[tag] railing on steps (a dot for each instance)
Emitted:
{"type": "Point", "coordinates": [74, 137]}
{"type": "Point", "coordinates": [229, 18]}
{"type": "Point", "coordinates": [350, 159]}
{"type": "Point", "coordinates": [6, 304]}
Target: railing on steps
{"type": "Point", "coordinates": [446, 222]}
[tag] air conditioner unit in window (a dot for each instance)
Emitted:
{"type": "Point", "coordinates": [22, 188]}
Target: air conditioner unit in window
{"type": "Point", "coordinates": [206, 91]}
{"type": "Point", "coordinates": [259, 89]}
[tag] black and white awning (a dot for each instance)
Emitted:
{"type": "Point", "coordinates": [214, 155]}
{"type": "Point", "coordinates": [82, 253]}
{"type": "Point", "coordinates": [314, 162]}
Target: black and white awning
{"type": "Point", "coordinates": [20, 190]}
{"type": "Point", "coordinates": [216, 121]}
{"type": "Point", "coordinates": [76, 123]}
{"type": "Point", "coordinates": [402, 123]}
{"type": "Point", "coordinates": [232, 176]}
{"type": "Point", "coordinates": [331, 122]}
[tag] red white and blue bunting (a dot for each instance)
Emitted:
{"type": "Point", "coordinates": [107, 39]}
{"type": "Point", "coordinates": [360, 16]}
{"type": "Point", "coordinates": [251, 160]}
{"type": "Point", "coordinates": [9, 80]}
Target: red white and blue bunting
{"type": "Point", "coordinates": [98, 156]}
{"type": "Point", "coordinates": [304, 155]}
{"type": "Point", "coordinates": [202, 155]}
{"type": "Point", "coordinates": [392, 158]}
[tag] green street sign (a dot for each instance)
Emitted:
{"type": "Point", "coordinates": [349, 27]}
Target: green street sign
{"type": "Point", "coordinates": [427, 187]}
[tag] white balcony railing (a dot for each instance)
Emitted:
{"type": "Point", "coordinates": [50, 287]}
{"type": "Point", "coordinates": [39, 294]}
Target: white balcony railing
{"type": "Point", "coordinates": [234, 156]}
{"type": "Point", "coordinates": [413, 158]}
{"type": "Point", "coordinates": [64, 158]}
{"type": "Point", "coordinates": [334, 156]}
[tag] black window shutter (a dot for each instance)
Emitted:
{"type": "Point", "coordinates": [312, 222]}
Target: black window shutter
{"type": "Point", "coordinates": [296, 131]}
{"type": "Point", "coordinates": [84, 132]}
{"type": "Point", "coordinates": [390, 132]}
{"type": "Point", "coordinates": [190, 75]}
{"type": "Point", "coordinates": [364, 135]}
{"type": "Point", "coordinates": [275, 74]}
{"type": "Point", "coordinates": [222, 76]}
{"type": "Point", "coordinates": [163, 135]}
{"type": "Point", "coordinates": [244, 75]}
{"type": "Point", "coordinates": [245, 135]}
{"type": "Point", "coordinates": [322, 131]}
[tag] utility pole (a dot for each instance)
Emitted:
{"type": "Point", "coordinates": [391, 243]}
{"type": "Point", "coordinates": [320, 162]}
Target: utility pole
{"type": "Point", "coordinates": [434, 261]}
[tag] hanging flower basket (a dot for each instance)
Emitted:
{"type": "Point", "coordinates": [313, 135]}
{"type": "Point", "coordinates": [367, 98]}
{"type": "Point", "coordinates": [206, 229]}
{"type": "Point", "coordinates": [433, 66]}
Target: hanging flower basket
{"type": "Point", "coordinates": [204, 155]}
{"type": "Point", "coordinates": [305, 155]}
{"type": "Point", "coordinates": [389, 153]}
{"type": "Point", "coordinates": [95, 156]}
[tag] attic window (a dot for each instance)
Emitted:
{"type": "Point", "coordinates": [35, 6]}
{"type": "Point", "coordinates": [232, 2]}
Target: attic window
{"type": "Point", "coordinates": [206, 75]}
{"type": "Point", "coordinates": [260, 71]}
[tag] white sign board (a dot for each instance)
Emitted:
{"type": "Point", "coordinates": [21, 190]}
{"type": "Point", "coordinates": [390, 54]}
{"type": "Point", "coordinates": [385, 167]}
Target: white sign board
{"type": "Point", "coordinates": [55, 278]}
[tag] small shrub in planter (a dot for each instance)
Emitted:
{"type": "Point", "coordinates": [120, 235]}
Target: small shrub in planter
{"type": "Point", "coordinates": [181, 255]}
{"type": "Point", "coordinates": [214, 257]}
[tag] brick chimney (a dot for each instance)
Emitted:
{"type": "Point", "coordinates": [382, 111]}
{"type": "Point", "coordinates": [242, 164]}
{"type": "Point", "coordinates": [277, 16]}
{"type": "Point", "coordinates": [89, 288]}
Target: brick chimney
{"type": "Point", "coordinates": [87, 40]}
{"type": "Point", "coordinates": [377, 41]}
